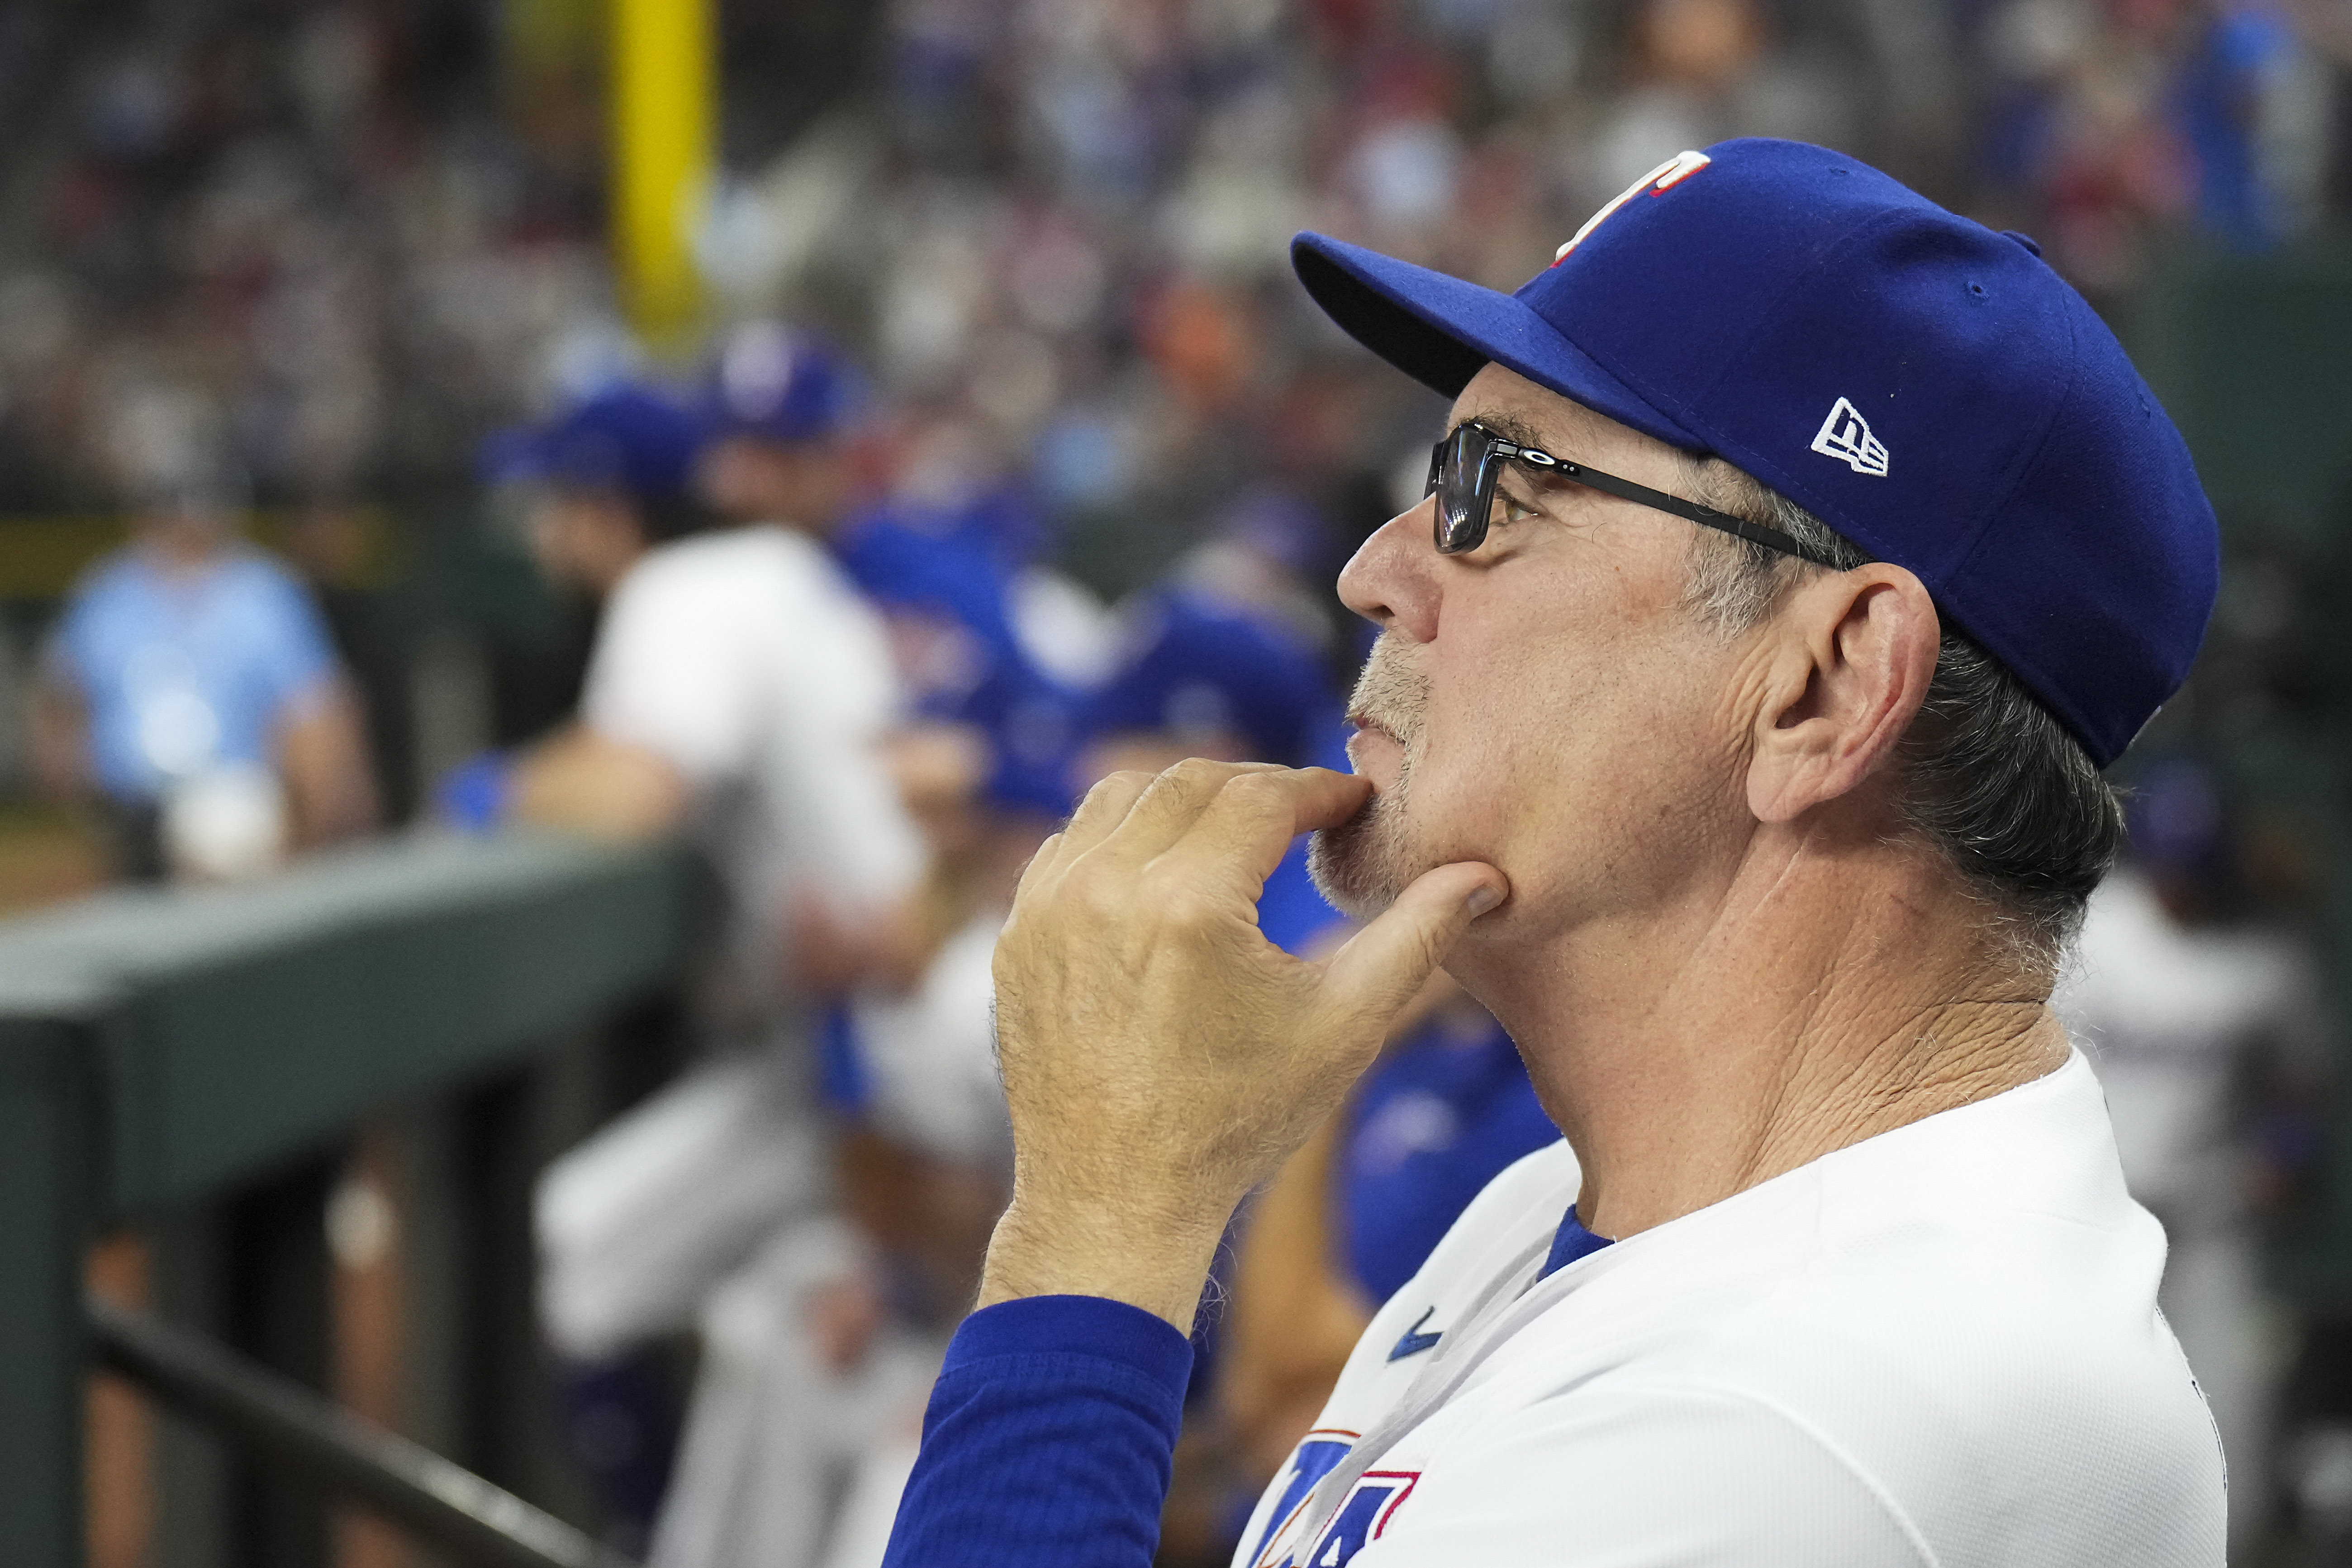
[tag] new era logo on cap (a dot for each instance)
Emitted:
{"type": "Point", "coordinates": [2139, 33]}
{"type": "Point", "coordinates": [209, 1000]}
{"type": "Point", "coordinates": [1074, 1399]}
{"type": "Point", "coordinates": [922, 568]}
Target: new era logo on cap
{"type": "Point", "coordinates": [1845, 435]}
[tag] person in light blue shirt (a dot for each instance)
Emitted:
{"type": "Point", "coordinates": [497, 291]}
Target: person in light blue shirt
{"type": "Point", "coordinates": [190, 687]}
{"type": "Point", "coordinates": [185, 669]}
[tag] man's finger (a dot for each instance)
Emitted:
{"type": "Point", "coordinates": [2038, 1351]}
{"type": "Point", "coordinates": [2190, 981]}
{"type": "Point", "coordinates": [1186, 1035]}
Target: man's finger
{"type": "Point", "coordinates": [1039, 865]}
{"type": "Point", "coordinates": [1097, 818]}
{"type": "Point", "coordinates": [1168, 810]}
{"type": "Point", "coordinates": [1383, 965]}
{"type": "Point", "coordinates": [1242, 834]}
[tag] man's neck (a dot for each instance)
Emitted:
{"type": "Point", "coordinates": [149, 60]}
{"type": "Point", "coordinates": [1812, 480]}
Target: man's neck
{"type": "Point", "coordinates": [1820, 996]}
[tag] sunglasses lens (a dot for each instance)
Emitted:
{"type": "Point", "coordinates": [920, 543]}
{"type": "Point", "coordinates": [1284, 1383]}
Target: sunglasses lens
{"type": "Point", "coordinates": [1457, 476]}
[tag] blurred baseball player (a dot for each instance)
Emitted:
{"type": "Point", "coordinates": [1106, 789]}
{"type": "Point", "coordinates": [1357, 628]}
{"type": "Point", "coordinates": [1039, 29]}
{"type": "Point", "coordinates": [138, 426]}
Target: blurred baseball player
{"type": "Point", "coordinates": [1796, 556]}
{"type": "Point", "coordinates": [2208, 1030]}
{"type": "Point", "coordinates": [740, 694]}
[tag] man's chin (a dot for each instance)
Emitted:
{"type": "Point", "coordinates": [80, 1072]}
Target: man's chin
{"type": "Point", "coordinates": [1354, 866]}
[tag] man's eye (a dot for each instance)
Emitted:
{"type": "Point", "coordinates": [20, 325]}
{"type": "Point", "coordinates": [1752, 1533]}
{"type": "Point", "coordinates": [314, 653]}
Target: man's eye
{"type": "Point", "coordinates": [1509, 507]}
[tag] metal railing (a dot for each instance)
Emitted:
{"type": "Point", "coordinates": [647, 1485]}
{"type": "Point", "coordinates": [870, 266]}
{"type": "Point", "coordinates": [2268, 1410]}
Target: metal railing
{"type": "Point", "coordinates": [161, 1048]}
{"type": "Point", "coordinates": [441, 1504]}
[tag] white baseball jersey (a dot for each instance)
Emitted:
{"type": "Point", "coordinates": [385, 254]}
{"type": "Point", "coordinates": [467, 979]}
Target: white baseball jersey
{"type": "Point", "coordinates": [748, 660]}
{"type": "Point", "coordinates": [1938, 1346]}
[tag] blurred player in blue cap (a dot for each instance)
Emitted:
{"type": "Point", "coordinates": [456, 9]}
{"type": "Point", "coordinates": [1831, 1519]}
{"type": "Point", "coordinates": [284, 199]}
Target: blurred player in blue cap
{"type": "Point", "coordinates": [739, 682]}
{"type": "Point", "coordinates": [816, 1349]}
{"type": "Point", "coordinates": [951, 605]}
{"type": "Point", "coordinates": [924, 1165]}
{"type": "Point", "coordinates": [739, 692]}
{"type": "Point", "coordinates": [1795, 555]}
{"type": "Point", "coordinates": [1203, 678]}
{"type": "Point", "coordinates": [1228, 658]}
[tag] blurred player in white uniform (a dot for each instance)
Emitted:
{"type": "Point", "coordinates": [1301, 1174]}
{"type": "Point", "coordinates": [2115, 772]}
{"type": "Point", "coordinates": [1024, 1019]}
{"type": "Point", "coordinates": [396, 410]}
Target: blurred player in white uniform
{"type": "Point", "coordinates": [740, 692]}
{"type": "Point", "coordinates": [823, 1361]}
{"type": "Point", "coordinates": [817, 1355]}
{"type": "Point", "coordinates": [2183, 1015]}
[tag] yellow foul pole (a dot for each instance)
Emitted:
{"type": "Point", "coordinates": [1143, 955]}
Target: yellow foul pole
{"type": "Point", "coordinates": [663, 111]}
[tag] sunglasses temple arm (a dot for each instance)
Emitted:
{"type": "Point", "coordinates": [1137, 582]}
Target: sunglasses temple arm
{"type": "Point", "coordinates": [1757, 533]}
{"type": "Point", "coordinates": [1706, 517]}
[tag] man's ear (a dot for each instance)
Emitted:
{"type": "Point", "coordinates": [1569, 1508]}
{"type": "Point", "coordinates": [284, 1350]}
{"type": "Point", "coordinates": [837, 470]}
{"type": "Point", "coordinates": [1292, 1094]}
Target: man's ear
{"type": "Point", "coordinates": [1856, 651]}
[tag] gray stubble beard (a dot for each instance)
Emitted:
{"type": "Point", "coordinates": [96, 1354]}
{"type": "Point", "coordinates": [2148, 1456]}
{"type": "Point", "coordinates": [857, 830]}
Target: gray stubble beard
{"type": "Point", "coordinates": [1363, 865]}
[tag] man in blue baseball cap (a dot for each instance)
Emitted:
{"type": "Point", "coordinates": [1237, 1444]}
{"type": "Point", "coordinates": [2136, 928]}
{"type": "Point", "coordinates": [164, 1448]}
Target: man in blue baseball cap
{"type": "Point", "coordinates": [1795, 556]}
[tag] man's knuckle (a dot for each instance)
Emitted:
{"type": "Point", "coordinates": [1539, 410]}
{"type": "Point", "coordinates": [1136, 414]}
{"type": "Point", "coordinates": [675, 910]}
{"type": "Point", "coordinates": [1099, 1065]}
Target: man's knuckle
{"type": "Point", "coordinates": [1154, 885]}
{"type": "Point", "coordinates": [1258, 789]}
{"type": "Point", "coordinates": [1091, 896]}
{"type": "Point", "coordinates": [1186, 908]}
{"type": "Point", "coordinates": [1039, 860]}
{"type": "Point", "coordinates": [1194, 780]}
{"type": "Point", "coordinates": [1104, 790]}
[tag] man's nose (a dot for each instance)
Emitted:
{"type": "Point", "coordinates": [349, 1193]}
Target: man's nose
{"type": "Point", "coordinates": [1392, 580]}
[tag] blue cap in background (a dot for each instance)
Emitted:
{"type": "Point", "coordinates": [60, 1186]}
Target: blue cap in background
{"type": "Point", "coordinates": [1003, 519]}
{"type": "Point", "coordinates": [982, 675]}
{"type": "Point", "coordinates": [1196, 665]}
{"type": "Point", "coordinates": [2174, 818]}
{"type": "Point", "coordinates": [625, 437]}
{"type": "Point", "coordinates": [1928, 388]}
{"type": "Point", "coordinates": [780, 384]}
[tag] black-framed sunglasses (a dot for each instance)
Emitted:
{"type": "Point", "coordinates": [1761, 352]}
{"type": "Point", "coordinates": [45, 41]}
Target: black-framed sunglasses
{"type": "Point", "coordinates": [1464, 467]}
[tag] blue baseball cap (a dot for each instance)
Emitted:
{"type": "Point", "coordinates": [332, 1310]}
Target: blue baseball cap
{"type": "Point", "coordinates": [1928, 388]}
{"type": "Point", "coordinates": [987, 678]}
{"type": "Point", "coordinates": [1197, 665]}
{"type": "Point", "coordinates": [624, 437]}
{"type": "Point", "coordinates": [780, 384]}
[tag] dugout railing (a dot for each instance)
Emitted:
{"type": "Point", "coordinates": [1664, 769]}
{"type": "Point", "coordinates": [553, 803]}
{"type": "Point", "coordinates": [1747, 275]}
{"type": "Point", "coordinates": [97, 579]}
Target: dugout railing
{"type": "Point", "coordinates": [163, 1051]}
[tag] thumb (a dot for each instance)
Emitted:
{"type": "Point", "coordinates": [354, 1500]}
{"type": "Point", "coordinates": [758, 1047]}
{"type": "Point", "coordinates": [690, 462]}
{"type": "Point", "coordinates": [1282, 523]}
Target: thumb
{"type": "Point", "coordinates": [1382, 967]}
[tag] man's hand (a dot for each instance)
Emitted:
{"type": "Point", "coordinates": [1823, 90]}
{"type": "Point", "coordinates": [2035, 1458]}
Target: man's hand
{"type": "Point", "coordinates": [1160, 1056]}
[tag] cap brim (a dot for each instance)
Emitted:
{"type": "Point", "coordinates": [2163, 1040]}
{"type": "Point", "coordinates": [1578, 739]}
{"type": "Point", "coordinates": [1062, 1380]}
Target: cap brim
{"type": "Point", "coordinates": [1441, 331]}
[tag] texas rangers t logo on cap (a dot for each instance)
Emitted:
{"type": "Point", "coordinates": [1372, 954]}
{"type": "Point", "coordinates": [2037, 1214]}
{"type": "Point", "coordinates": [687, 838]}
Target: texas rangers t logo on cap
{"type": "Point", "coordinates": [1660, 180]}
{"type": "Point", "coordinates": [1845, 435]}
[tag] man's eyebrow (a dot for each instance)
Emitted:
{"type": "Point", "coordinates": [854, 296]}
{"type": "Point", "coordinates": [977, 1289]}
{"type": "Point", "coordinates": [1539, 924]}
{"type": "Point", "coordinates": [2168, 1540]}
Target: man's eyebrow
{"type": "Point", "coordinates": [1510, 427]}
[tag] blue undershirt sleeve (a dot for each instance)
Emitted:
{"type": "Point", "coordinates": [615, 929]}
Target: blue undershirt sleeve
{"type": "Point", "coordinates": [1048, 1439]}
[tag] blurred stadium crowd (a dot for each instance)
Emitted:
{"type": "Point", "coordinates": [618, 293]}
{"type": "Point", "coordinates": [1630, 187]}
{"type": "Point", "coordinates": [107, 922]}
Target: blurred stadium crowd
{"type": "Point", "coordinates": [356, 236]}
{"type": "Point", "coordinates": [1009, 393]}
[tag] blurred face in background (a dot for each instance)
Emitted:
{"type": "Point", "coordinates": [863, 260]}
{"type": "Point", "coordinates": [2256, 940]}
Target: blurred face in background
{"type": "Point", "coordinates": [1704, 44]}
{"type": "Point", "coordinates": [583, 538]}
{"type": "Point", "coordinates": [941, 771]}
{"type": "Point", "coordinates": [802, 485]}
{"type": "Point", "coordinates": [186, 531]}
